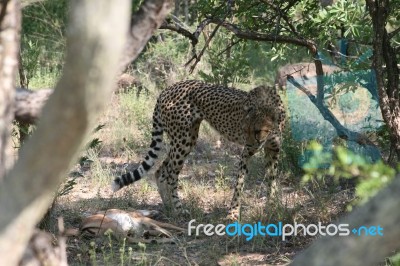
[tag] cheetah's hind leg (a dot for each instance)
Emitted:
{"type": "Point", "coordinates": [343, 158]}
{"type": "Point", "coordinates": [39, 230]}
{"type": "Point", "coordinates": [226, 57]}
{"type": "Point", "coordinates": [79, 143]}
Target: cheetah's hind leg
{"type": "Point", "coordinates": [161, 178]}
{"type": "Point", "coordinates": [167, 175]}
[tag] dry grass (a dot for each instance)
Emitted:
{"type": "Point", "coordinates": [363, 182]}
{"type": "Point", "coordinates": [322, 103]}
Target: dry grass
{"type": "Point", "coordinates": [205, 188]}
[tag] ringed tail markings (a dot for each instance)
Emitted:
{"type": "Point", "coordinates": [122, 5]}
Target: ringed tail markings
{"type": "Point", "coordinates": [146, 164]}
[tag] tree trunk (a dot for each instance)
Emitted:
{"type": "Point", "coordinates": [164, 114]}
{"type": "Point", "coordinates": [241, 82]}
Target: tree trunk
{"type": "Point", "coordinates": [151, 15]}
{"type": "Point", "coordinates": [96, 38]}
{"type": "Point", "coordinates": [387, 78]}
{"type": "Point", "coordinates": [95, 42]}
{"type": "Point", "coordinates": [9, 44]}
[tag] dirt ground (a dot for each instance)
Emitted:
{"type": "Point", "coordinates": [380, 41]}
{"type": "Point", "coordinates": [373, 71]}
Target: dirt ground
{"type": "Point", "coordinates": [206, 182]}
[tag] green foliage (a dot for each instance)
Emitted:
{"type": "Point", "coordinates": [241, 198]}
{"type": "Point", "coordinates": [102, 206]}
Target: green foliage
{"type": "Point", "coordinates": [30, 53]}
{"type": "Point", "coordinates": [68, 186]}
{"type": "Point", "coordinates": [348, 15]}
{"type": "Point", "coordinates": [45, 22]}
{"type": "Point", "coordinates": [98, 128]}
{"type": "Point", "coordinates": [393, 260]}
{"type": "Point", "coordinates": [94, 143]}
{"type": "Point", "coordinates": [83, 161]}
{"type": "Point", "coordinates": [222, 179]}
{"type": "Point", "coordinates": [140, 113]}
{"type": "Point", "coordinates": [383, 136]}
{"type": "Point", "coordinates": [161, 61]}
{"type": "Point", "coordinates": [292, 150]}
{"type": "Point", "coordinates": [136, 4]}
{"type": "Point", "coordinates": [343, 20]}
{"type": "Point", "coordinates": [371, 177]}
{"type": "Point", "coordinates": [228, 65]}
{"type": "Point", "coordinates": [43, 38]}
{"type": "Point", "coordinates": [91, 145]}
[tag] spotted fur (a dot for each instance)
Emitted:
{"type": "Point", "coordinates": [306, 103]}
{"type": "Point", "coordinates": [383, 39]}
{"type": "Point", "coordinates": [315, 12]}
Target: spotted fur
{"type": "Point", "coordinates": [253, 119]}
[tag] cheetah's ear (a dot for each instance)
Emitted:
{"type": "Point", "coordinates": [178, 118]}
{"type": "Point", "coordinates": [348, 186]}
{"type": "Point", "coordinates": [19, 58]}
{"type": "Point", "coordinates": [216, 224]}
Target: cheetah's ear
{"type": "Point", "coordinates": [260, 95]}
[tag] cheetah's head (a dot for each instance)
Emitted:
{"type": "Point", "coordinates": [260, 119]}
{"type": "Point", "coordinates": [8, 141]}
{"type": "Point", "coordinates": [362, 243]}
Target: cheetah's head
{"type": "Point", "coordinates": [262, 117]}
{"type": "Point", "coordinates": [258, 126]}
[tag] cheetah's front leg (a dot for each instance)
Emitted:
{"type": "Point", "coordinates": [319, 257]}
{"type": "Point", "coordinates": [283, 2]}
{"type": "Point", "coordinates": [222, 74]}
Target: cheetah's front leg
{"type": "Point", "coordinates": [161, 176]}
{"type": "Point", "coordinates": [234, 210]}
{"type": "Point", "coordinates": [271, 150]}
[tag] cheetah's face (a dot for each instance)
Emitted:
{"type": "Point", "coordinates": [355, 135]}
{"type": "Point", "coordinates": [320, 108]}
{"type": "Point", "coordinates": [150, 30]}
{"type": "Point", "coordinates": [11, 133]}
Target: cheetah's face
{"type": "Point", "coordinates": [260, 127]}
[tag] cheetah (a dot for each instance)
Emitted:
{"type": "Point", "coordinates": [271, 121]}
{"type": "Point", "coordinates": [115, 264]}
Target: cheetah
{"type": "Point", "coordinates": [254, 119]}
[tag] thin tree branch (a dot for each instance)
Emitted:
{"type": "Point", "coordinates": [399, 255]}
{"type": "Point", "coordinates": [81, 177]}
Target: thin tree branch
{"type": "Point", "coordinates": [179, 29]}
{"type": "Point", "coordinates": [151, 13]}
{"type": "Point", "coordinates": [229, 47]}
{"type": "Point", "coordinates": [393, 33]}
{"type": "Point", "coordinates": [194, 37]}
{"type": "Point", "coordinates": [257, 36]}
{"type": "Point", "coordinates": [198, 57]}
{"type": "Point", "coordinates": [283, 14]}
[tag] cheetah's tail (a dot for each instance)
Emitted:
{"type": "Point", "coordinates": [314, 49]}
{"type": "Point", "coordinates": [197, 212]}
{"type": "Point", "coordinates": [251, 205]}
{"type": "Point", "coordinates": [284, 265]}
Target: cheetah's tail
{"type": "Point", "coordinates": [137, 174]}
